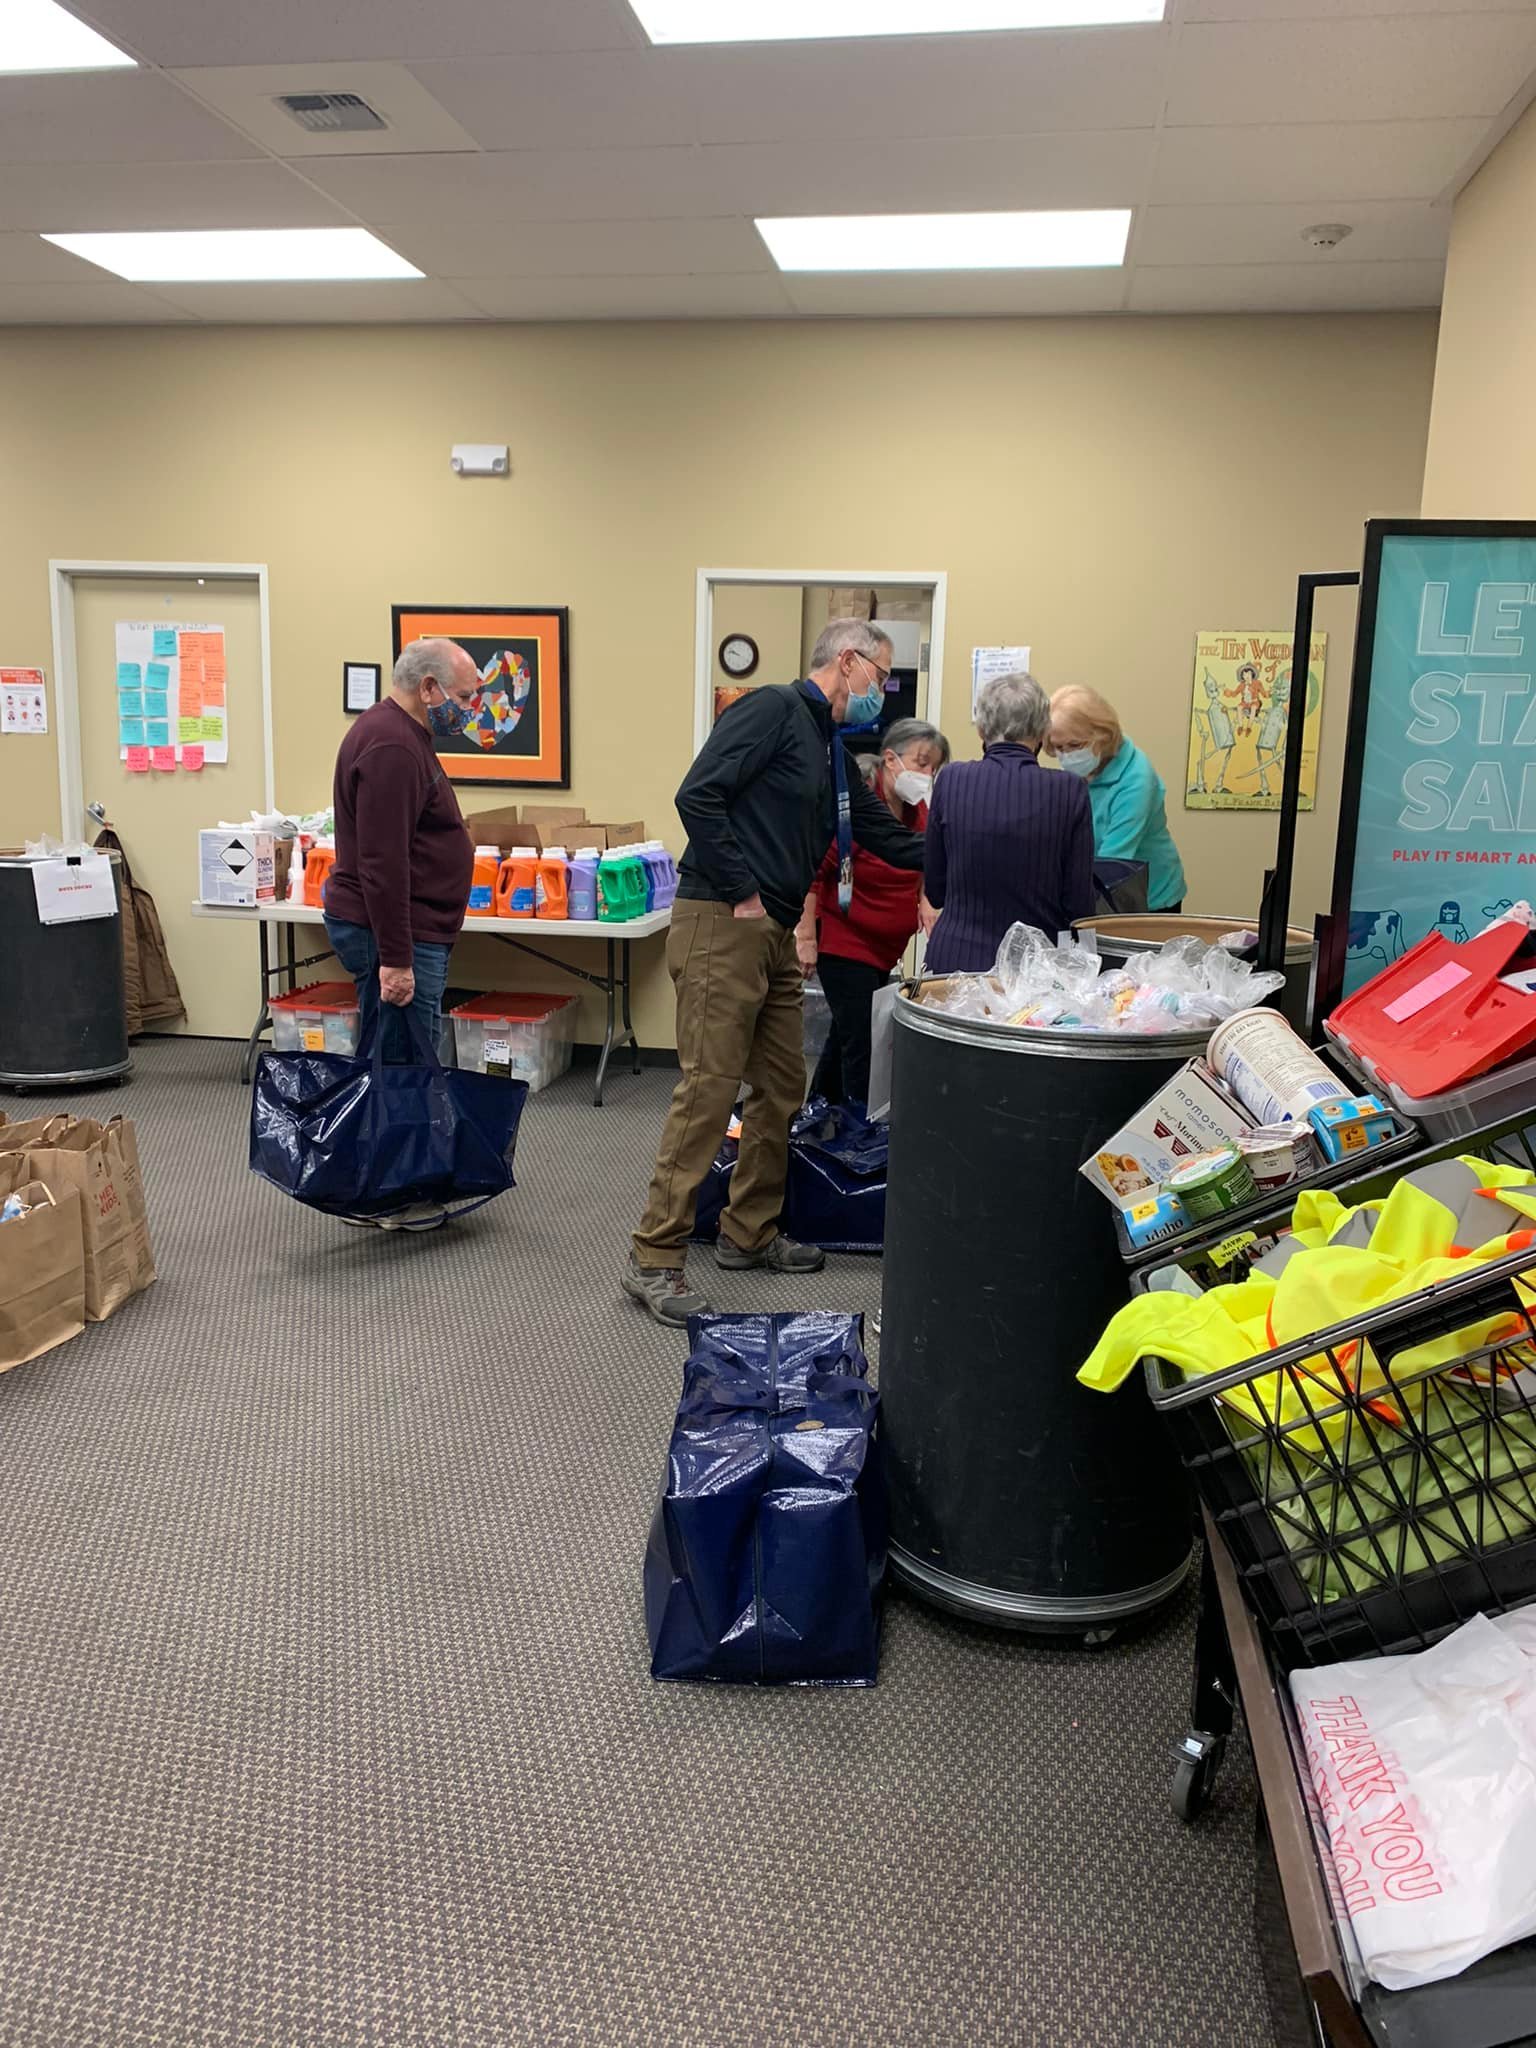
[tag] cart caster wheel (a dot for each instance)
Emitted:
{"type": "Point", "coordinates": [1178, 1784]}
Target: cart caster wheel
{"type": "Point", "coordinates": [1198, 1761]}
{"type": "Point", "coordinates": [1098, 1638]}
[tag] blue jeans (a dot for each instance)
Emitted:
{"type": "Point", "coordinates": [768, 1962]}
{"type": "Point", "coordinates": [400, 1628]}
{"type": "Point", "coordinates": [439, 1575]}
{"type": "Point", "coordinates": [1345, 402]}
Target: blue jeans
{"type": "Point", "coordinates": [354, 947]}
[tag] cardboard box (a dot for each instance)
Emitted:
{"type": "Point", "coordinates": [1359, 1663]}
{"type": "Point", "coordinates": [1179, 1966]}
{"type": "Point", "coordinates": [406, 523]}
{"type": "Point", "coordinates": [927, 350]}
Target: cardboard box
{"type": "Point", "coordinates": [909, 610]}
{"type": "Point", "coordinates": [236, 867]}
{"type": "Point", "coordinates": [501, 828]}
{"type": "Point", "coordinates": [628, 833]}
{"type": "Point", "coordinates": [1188, 1115]}
{"type": "Point", "coordinates": [545, 815]}
{"type": "Point", "coordinates": [844, 602]}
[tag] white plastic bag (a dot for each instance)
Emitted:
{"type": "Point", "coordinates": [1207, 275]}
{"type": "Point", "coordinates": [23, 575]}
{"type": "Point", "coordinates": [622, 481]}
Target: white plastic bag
{"type": "Point", "coordinates": [1424, 1769]}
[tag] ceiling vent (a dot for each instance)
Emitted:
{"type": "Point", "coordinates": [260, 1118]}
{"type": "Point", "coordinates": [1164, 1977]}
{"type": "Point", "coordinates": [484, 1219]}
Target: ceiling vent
{"type": "Point", "coordinates": [331, 113]}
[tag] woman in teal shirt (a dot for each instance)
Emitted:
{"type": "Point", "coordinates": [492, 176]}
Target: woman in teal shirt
{"type": "Point", "coordinates": [1130, 820]}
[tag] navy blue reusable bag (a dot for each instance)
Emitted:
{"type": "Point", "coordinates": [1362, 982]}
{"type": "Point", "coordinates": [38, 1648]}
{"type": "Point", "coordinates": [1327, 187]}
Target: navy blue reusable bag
{"type": "Point", "coordinates": [767, 1554]}
{"type": "Point", "coordinates": [359, 1137]}
{"type": "Point", "coordinates": [834, 1190]}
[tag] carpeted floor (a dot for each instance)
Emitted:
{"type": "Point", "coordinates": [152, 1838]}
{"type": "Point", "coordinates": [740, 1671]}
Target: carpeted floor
{"type": "Point", "coordinates": [324, 1707]}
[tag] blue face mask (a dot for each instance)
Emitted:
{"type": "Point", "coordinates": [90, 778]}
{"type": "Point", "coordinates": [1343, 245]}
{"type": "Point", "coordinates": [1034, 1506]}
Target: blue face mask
{"type": "Point", "coordinates": [866, 709]}
{"type": "Point", "coordinates": [447, 720]}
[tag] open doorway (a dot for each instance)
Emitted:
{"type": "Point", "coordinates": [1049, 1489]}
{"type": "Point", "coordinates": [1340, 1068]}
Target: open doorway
{"type": "Point", "coordinates": [757, 626]}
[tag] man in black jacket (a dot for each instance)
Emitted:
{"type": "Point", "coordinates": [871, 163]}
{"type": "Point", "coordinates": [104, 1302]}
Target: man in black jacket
{"type": "Point", "coordinates": [768, 793]}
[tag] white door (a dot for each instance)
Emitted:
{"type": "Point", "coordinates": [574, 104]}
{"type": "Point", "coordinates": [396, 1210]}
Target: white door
{"type": "Point", "coordinates": [158, 815]}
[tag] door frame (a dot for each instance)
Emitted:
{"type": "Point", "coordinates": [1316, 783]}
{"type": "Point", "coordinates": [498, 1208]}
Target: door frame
{"type": "Point", "coordinates": [62, 578]}
{"type": "Point", "coordinates": [704, 617]}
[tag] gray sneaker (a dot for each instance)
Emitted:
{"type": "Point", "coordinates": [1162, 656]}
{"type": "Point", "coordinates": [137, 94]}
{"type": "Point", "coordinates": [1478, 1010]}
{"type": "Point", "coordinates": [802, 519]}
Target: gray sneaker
{"type": "Point", "coordinates": [417, 1216]}
{"type": "Point", "coordinates": [663, 1292]}
{"type": "Point", "coordinates": [780, 1255]}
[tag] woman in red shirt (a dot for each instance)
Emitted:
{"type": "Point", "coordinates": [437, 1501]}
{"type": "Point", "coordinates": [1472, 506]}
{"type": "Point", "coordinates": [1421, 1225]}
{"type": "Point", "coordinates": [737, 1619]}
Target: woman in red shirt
{"type": "Point", "coordinates": [855, 949]}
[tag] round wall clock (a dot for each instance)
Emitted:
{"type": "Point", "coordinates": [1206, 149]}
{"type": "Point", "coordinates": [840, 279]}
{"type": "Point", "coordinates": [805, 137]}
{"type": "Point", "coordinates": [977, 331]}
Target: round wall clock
{"type": "Point", "coordinates": [738, 654]}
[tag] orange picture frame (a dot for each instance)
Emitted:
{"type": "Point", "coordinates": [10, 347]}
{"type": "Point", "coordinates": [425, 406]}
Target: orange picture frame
{"type": "Point", "coordinates": [520, 735]}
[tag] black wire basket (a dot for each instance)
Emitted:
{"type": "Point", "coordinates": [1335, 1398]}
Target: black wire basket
{"type": "Point", "coordinates": [1375, 1482]}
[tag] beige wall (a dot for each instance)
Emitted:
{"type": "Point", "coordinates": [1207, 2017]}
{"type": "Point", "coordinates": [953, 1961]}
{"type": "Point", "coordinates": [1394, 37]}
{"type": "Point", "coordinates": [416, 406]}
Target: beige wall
{"type": "Point", "coordinates": [1101, 489]}
{"type": "Point", "coordinates": [1481, 462]}
{"type": "Point", "coordinates": [770, 614]}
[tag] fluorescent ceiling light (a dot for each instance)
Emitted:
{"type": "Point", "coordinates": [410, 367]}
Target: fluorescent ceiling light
{"type": "Point", "coordinates": [37, 36]}
{"type": "Point", "coordinates": [950, 241]}
{"type": "Point", "coordinates": [774, 21]}
{"type": "Point", "coordinates": [239, 255]}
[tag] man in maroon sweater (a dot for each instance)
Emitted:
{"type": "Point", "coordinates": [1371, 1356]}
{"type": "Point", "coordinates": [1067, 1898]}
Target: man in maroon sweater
{"type": "Point", "coordinates": [396, 898]}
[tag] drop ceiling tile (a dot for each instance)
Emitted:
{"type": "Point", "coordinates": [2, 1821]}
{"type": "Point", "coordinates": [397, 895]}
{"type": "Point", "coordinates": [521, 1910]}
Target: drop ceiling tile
{"type": "Point", "coordinates": [1286, 288]}
{"type": "Point", "coordinates": [579, 248]}
{"type": "Point", "coordinates": [598, 99]}
{"type": "Point", "coordinates": [110, 303]}
{"type": "Point", "coordinates": [1411, 231]}
{"type": "Point", "coordinates": [181, 32]}
{"type": "Point", "coordinates": [628, 298]}
{"type": "Point", "coordinates": [1308, 10]}
{"type": "Point", "coordinates": [82, 198]}
{"type": "Point", "coordinates": [899, 296]}
{"type": "Point", "coordinates": [1416, 67]}
{"type": "Point", "coordinates": [1363, 160]}
{"type": "Point", "coordinates": [894, 176]}
{"type": "Point", "coordinates": [396, 299]}
{"type": "Point", "coordinates": [28, 259]}
{"type": "Point", "coordinates": [934, 175]}
{"type": "Point", "coordinates": [90, 117]}
{"type": "Point", "coordinates": [244, 95]}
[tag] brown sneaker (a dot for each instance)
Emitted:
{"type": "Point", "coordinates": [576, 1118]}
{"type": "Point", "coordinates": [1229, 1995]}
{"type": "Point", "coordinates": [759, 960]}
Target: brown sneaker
{"type": "Point", "coordinates": [663, 1292]}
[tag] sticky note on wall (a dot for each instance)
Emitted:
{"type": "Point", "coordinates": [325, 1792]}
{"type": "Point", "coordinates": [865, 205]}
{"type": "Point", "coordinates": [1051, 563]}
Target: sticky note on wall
{"type": "Point", "coordinates": [165, 759]}
{"type": "Point", "coordinates": [189, 729]}
{"type": "Point", "coordinates": [137, 762]}
{"type": "Point", "coordinates": [165, 640]}
{"type": "Point", "coordinates": [192, 759]}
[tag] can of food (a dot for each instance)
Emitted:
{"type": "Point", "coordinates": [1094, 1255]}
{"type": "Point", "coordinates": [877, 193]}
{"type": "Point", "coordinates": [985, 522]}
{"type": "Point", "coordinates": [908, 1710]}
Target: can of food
{"type": "Point", "coordinates": [1212, 1184]}
{"type": "Point", "coordinates": [1273, 1073]}
{"type": "Point", "coordinates": [1278, 1154]}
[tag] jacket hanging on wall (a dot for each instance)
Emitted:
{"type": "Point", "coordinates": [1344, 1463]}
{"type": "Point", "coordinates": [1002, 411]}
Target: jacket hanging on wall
{"type": "Point", "coordinates": [151, 994]}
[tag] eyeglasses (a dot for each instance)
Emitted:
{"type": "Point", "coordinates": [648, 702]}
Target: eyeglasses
{"type": "Point", "coordinates": [884, 674]}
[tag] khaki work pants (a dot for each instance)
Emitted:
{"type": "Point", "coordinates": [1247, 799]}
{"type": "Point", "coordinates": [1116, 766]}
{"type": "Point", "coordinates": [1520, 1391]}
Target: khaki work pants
{"type": "Point", "coordinates": [739, 1009]}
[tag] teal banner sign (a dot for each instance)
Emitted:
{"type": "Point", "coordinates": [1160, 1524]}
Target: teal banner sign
{"type": "Point", "coordinates": [1438, 818]}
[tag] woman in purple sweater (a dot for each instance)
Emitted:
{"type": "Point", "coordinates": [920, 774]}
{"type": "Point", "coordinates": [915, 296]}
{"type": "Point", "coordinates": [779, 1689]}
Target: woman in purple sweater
{"type": "Point", "coordinates": [1009, 842]}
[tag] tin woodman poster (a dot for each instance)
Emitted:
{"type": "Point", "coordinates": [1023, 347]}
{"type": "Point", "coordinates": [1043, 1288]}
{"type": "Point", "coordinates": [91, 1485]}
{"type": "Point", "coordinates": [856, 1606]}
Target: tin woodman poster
{"type": "Point", "coordinates": [1238, 718]}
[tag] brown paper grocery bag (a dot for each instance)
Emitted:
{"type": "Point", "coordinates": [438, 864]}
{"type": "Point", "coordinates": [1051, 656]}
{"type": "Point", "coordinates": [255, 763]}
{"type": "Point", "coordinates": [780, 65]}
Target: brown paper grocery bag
{"type": "Point", "coordinates": [86, 1159]}
{"type": "Point", "coordinates": [42, 1276]}
{"type": "Point", "coordinates": [125, 1138]}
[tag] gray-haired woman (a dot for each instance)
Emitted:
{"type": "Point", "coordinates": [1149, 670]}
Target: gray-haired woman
{"type": "Point", "coordinates": [855, 949]}
{"type": "Point", "coordinates": [1008, 842]}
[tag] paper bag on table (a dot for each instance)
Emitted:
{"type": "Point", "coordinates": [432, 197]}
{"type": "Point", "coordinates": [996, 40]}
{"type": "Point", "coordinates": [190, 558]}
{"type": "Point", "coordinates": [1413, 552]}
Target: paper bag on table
{"type": "Point", "coordinates": [42, 1276]}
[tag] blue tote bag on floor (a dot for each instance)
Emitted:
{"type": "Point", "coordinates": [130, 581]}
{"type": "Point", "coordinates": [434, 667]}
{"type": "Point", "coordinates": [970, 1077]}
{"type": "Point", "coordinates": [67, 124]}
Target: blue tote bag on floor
{"type": "Point", "coordinates": [358, 1137]}
{"type": "Point", "coordinates": [767, 1553]}
{"type": "Point", "coordinates": [834, 1187]}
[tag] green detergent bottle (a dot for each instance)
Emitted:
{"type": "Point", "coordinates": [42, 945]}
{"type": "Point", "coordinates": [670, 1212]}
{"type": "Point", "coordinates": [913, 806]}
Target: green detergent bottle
{"type": "Point", "coordinates": [612, 892]}
{"type": "Point", "coordinates": [633, 865]}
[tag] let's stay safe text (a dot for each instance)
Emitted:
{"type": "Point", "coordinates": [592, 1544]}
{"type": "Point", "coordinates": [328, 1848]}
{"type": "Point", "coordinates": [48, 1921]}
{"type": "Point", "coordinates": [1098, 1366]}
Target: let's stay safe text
{"type": "Point", "coordinates": [1498, 792]}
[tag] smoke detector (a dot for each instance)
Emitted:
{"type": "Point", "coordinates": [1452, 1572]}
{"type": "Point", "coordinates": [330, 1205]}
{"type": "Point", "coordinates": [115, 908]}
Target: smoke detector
{"type": "Point", "coordinates": [1327, 234]}
{"type": "Point", "coordinates": [335, 113]}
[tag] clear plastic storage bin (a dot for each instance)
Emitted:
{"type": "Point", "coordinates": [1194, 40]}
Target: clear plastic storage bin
{"type": "Point", "coordinates": [320, 1018]}
{"type": "Point", "coordinates": [526, 1037]}
{"type": "Point", "coordinates": [1498, 1096]}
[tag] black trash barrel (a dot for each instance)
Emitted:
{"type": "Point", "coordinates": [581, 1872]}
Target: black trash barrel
{"type": "Point", "coordinates": [62, 1016]}
{"type": "Point", "coordinates": [1017, 1496]}
{"type": "Point", "coordinates": [1121, 935]}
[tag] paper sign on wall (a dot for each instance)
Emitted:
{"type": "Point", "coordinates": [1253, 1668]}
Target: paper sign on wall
{"type": "Point", "coordinates": [23, 700]}
{"type": "Point", "coordinates": [171, 681]}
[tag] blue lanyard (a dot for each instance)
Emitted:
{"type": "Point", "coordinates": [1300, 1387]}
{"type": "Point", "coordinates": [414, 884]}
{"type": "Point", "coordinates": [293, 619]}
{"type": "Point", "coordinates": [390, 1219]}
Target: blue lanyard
{"type": "Point", "coordinates": [845, 810]}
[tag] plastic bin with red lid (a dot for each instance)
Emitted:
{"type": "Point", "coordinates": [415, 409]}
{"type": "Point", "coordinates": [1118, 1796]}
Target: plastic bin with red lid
{"type": "Point", "coordinates": [320, 1018]}
{"type": "Point", "coordinates": [1442, 1014]}
{"type": "Point", "coordinates": [527, 1037]}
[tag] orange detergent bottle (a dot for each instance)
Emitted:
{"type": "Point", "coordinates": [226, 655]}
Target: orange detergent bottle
{"type": "Point", "coordinates": [551, 886]}
{"type": "Point", "coordinates": [316, 868]}
{"type": "Point", "coordinates": [517, 884]}
{"type": "Point", "coordinates": [482, 881]}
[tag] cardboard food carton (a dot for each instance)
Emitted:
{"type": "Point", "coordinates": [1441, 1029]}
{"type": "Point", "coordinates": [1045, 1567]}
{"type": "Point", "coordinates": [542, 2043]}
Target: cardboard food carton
{"type": "Point", "coordinates": [627, 833]}
{"type": "Point", "coordinates": [546, 815]}
{"type": "Point", "coordinates": [845, 602]}
{"type": "Point", "coordinates": [236, 867]}
{"type": "Point", "coordinates": [501, 828]}
{"type": "Point", "coordinates": [1190, 1114]}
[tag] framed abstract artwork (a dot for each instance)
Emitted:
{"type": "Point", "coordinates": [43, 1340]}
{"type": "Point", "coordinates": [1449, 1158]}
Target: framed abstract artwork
{"type": "Point", "coordinates": [519, 731]}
